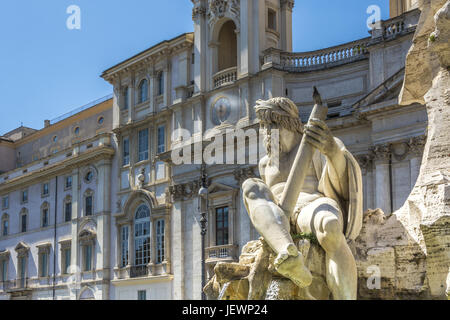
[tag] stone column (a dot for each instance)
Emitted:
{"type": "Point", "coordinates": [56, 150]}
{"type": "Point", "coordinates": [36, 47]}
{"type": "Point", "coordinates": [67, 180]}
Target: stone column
{"type": "Point", "coordinates": [286, 25]}
{"type": "Point", "coordinates": [365, 162]}
{"type": "Point", "coordinates": [177, 251]}
{"type": "Point", "coordinates": [74, 259]}
{"type": "Point", "coordinates": [200, 41]}
{"type": "Point", "coordinates": [103, 201]}
{"type": "Point", "coordinates": [131, 100]}
{"type": "Point", "coordinates": [416, 146]}
{"type": "Point", "coordinates": [116, 105]}
{"type": "Point", "coordinates": [167, 83]}
{"type": "Point", "coordinates": [152, 92]}
{"type": "Point", "coordinates": [383, 200]}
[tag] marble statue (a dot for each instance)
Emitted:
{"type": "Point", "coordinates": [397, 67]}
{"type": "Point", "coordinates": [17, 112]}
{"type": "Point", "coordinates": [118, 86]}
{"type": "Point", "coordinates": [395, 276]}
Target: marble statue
{"type": "Point", "coordinates": [316, 189]}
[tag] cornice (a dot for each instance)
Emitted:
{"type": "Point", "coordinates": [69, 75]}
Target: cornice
{"type": "Point", "coordinates": [94, 154]}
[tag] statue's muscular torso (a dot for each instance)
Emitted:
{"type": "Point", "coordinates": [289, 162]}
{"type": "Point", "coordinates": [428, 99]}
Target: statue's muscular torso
{"type": "Point", "coordinates": [276, 177]}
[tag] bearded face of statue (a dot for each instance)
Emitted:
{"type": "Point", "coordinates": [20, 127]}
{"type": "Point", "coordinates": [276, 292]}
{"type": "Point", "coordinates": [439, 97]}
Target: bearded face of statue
{"type": "Point", "coordinates": [287, 139]}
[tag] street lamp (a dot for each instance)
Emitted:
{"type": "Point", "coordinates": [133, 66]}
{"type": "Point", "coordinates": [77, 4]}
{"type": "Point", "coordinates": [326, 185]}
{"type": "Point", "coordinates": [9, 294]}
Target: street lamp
{"type": "Point", "coordinates": [203, 195]}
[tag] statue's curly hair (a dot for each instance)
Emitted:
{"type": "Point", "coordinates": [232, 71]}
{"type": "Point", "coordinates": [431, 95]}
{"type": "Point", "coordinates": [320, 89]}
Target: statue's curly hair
{"type": "Point", "coordinates": [287, 116]}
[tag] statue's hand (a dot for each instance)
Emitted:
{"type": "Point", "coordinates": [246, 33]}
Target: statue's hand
{"type": "Point", "coordinates": [319, 136]}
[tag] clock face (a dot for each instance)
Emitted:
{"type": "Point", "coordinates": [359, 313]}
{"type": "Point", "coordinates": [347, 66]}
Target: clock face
{"type": "Point", "coordinates": [221, 110]}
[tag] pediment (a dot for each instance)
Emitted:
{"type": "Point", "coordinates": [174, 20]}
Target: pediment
{"type": "Point", "coordinates": [22, 246]}
{"type": "Point", "coordinates": [388, 90]}
{"type": "Point", "coordinates": [220, 187]}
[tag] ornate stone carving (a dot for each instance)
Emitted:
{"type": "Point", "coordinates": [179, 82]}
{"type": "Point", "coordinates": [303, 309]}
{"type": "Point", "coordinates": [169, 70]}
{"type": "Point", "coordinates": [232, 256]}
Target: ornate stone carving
{"type": "Point", "coordinates": [141, 178]}
{"type": "Point", "coordinates": [399, 150]}
{"type": "Point", "coordinates": [198, 12]}
{"type": "Point", "coordinates": [219, 8]}
{"type": "Point", "coordinates": [288, 3]}
{"type": "Point", "coordinates": [186, 191]}
{"type": "Point", "coordinates": [381, 152]}
{"type": "Point", "coordinates": [365, 161]}
{"type": "Point", "coordinates": [416, 145]}
{"type": "Point", "coordinates": [243, 174]}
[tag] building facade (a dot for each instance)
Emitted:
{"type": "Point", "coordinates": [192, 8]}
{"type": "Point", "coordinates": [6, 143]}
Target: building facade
{"type": "Point", "coordinates": [128, 215]}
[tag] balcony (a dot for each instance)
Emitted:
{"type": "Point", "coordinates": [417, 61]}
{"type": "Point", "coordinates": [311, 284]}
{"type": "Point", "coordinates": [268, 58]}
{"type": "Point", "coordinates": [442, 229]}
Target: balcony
{"type": "Point", "coordinates": [398, 26]}
{"type": "Point", "coordinates": [317, 60]}
{"type": "Point", "coordinates": [225, 77]}
{"type": "Point", "coordinates": [221, 253]}
{"type": "Point", "coordinates": [138, 271]}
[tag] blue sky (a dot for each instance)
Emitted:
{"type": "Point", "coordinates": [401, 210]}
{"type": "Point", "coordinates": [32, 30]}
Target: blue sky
{"type": "Point", "coordinates": [47, 70]}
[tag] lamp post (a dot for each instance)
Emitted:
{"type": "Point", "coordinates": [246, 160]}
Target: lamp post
{"type": "Point", "coordinates": [203, 195]}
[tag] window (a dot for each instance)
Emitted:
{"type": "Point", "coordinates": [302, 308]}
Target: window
{"type": "Point", "coordinates": [143, 145]}
{"type": "Point", "coordinates": [160, 225]}
{"type": "Point", "coordinates": [124, 235]}
{"type": "Point", "coordinates": [43, 262]}
{"type": "Point", "coordinates": [126, 100]}
{"type": "Point", "coordinates": [142, 236]}
{"type": "Point", "coordinates": [101, 120]}
{"type": "Point", "coordinates": [161, 84]}
{"type": "Point", "coordinates": [5, 202]}
{"type": "Point", "coordinates": [45, 217]}
{"type": "Point", "coordinates": [68, 210]}
{"type": "Point", "coordinates": [222, 226]}
{"type": "Point", "coordinates": [126, 152]}
{"type": "Point", "coordinates": [88, 205]}
{"type": "Point", "coordinates": [89, 176]}
{"type": "Point", "coordinates": [68, 182]}
{"type": "Point", "coordinates": [161, 139]}
{"type": "Point", "coordinates": [76, 131]}
{"type": "Point", "coordinates": [24, 197]}
{"type": "Point", "coordinates": [65, 260]}
{"type": "Point", "coordinates": [3, 270]}
{"type": "Point", "coordinates": [142, 295]}
{"type": "Point", "coordinates": [87, 258]}
{"type": "Point", "coordinates": [23, 221]}
{"type": "Point", "coordinates": [55, 139]}
{"type": "Point", "coordinates": [143, 91]}
{"type": "Point", "coordinates": [22, 274]}
{"type": "Point", "coordinates": [272, 19]}
{"type": "Point", "coordinates": [5, 226]}
{"type": "Point", "coordinates": [45, 189]}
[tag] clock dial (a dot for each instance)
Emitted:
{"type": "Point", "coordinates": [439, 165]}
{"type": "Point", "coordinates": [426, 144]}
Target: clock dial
{"type": "Point", "coordinates": [221, 110]}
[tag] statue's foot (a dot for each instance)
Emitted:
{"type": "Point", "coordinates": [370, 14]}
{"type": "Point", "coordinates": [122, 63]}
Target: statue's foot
{"type": "Point", "coordinates": [290, 264]}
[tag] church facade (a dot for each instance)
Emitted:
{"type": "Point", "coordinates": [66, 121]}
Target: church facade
{"type": "Point", "coordinates": [94, 206]}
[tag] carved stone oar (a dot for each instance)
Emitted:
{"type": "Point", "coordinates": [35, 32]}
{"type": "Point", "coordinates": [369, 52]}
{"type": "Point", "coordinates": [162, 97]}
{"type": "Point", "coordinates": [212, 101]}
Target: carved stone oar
{"type": "Point", "coordinates": [302, 161]}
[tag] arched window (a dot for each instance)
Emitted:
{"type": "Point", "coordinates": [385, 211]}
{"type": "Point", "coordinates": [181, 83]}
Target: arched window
{"type": "Point", "coordinates": [5, 225]}
{"type": "Point", "coordinates": [143, 91]}
{"type": "Point", "coordinates": [227, 46]}
{"type": "Point", "coordinates": [142, 236]}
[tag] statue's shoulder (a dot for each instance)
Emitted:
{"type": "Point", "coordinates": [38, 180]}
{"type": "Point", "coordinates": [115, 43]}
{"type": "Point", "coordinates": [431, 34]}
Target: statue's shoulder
{"type": "Point", "coordinates": [339, 143]}
{"type": "Point", "coordinates": [263, 164]}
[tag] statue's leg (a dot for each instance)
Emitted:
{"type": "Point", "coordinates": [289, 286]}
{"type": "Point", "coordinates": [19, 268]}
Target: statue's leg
{"type": "Point", "coordinates": [271, 222]}
{"type": "Point", "coordinates": [324, 219]}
